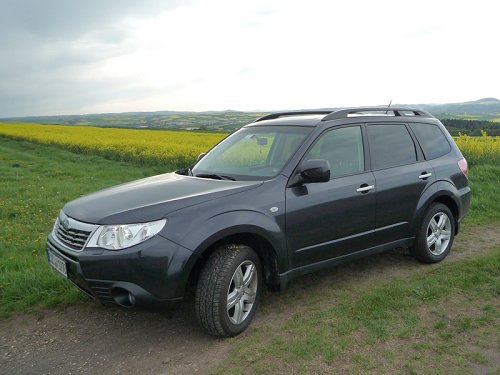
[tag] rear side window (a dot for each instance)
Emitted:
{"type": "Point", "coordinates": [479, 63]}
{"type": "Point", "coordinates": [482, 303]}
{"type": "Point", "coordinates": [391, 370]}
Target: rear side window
{"type": "Point", "coordinates": [390, 146]}
{"type": "Point", "coordinates": [431, 138]}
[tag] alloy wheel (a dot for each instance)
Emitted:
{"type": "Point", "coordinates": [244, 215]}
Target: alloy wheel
{"type": "Point", "coordinates": [438, 233]}
{"type": "Point", "coordinates": [242, 292]}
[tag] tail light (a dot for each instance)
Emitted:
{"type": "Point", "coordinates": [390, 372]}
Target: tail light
{"type": "Point", "coordinates": [462, 164]}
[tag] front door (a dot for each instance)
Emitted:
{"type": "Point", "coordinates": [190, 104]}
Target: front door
{"type": "Point", "coordinates": [330, 219]}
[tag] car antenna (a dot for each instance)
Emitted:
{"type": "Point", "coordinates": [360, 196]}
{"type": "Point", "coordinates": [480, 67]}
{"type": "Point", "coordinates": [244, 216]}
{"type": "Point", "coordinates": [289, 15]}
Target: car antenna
{"type": "Point", "coordinates": [389, 106]}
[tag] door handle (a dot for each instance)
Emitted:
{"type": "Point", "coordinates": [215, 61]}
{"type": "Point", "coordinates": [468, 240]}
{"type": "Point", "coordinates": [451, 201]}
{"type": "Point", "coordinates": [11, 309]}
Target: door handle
{"type": "Point", "coordinates": [425, 176]}
{"type": "Point", "coordinates": [365, 188]}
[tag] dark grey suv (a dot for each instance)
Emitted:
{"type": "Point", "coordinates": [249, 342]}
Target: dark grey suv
{"type": "Point", "coordinates": [288, 194]}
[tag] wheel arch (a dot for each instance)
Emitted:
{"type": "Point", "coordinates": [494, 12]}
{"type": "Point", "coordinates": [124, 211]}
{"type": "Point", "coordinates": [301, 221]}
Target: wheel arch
{"type": "Point", "coordinates": [441, 196]}
{"type": "Point", "coordinates": [449, 202]}
{"type": "Point", "coordinates": [260, 244]}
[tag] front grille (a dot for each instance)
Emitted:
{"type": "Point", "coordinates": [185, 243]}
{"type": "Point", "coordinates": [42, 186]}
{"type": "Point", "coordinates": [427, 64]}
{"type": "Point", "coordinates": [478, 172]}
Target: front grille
{"type": "Point", "coordinates": [72, 237]}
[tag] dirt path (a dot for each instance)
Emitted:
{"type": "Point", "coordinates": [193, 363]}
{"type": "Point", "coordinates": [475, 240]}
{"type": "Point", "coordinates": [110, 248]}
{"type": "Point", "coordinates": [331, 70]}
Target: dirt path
{"type": "Point", "coordinates": [89, 338]}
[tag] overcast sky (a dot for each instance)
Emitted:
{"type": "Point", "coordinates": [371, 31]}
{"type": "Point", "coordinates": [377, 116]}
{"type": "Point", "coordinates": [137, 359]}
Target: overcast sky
{"type": "Point", "coordinates": [94, 56]}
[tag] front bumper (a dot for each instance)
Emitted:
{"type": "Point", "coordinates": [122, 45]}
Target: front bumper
{"type": "Point", "coordinates": [154, 272]}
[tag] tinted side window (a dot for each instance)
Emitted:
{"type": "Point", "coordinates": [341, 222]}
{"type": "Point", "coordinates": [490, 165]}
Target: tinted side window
{"type": "Point", "coordinates": [431, 138]}
{"type": "Point", "coordinates": [390, 145]}
{"type": "Point", "coordinates": [343, 148]}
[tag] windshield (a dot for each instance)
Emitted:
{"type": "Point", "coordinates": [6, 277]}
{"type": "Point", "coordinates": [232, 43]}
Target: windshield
{"type": "Point", "coordinates": [253, 153]}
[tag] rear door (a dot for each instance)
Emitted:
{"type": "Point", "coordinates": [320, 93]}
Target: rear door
{"type": "Point", "coordinates": [401, 176]}
{"type": "Point", "coordinates": [329, 219]}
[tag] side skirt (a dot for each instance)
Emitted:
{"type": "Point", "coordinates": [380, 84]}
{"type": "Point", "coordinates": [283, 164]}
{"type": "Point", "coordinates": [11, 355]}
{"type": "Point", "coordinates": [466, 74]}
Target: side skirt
{"type": "Point", "coordinates": [299, 271]}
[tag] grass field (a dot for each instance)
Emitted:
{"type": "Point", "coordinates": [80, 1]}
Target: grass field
{"type": "Point", "coordinates": [36, 182]}
{"type": "Point", "coordinates": [169, 149]}
{"type": "Point", "coordinates": [173, 149]}
{"type": "Point", "coordinates": [495, 117]}
{"type": "Point", "coordinates": [480, 150]}
{"type": "Point", "coordinates": [436, 320]}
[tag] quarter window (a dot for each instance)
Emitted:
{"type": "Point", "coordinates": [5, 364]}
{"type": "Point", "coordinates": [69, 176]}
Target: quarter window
{"type": "Point", "coordinates": [343, 148]}
{"type": "Point", "coordinates": [390, 146]}
{"type": "Point", "coordinates": [431, 138]}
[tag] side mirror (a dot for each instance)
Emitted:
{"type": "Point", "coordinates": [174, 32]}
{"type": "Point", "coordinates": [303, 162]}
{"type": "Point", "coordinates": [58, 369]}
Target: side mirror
{"type": "Point", "coordinates": [262, 141]}
{"type": "Point", "coordinates": [200, 156]}
{"type": "Point", "coordinates": [315, 170]}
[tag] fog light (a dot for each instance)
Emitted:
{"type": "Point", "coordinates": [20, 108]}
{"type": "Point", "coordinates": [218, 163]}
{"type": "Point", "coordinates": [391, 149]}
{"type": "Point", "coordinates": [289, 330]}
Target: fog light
{"type": "Point", "coordinates": [123, 297]}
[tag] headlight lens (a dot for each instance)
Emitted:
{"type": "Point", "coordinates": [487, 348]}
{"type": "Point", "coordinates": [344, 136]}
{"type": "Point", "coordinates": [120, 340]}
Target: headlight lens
{"type": "Point", "coordinates": [117, 237]}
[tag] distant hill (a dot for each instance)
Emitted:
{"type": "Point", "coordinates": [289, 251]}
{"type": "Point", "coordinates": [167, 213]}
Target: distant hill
{"type": "Point", "coordinates": [213, 120]}
{"type": "Point", "coordinates": [482, 109]}
{"type": "Point", "coordinates": [475, 115]}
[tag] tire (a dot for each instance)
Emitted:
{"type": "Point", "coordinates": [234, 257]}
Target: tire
{"type": "Point", "coordinates": [232, 274]}
{"type": "Point", "coordinates": [435, 235]}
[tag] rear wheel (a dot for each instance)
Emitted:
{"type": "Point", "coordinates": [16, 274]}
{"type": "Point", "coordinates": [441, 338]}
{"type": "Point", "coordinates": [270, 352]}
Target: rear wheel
{"type": "Point", "coordinates": [228, 290]}
{"type": "Point", "coordinates": [435, 235]}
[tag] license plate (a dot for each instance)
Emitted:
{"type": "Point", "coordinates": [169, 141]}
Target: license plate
{"type": "Point", "coordinates": [58, 263]}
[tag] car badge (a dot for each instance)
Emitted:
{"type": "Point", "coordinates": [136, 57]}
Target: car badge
{"type": "Point", "coordinates": [65, 224]}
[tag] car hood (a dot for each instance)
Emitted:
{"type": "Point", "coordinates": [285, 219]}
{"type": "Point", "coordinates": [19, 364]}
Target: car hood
{"type": "Point", "coordinates": [150, 198]}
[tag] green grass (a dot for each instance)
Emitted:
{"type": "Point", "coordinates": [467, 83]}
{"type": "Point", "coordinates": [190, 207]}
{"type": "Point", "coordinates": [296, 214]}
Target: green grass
{"type": "Point", "coordinates": [36, 182]}
{"type": "Point", "coordinates": [485, 205]}
{"type": "Point", "coordinates": [431, 321]}
{"type": "Point", "coordinates": [437, 312]}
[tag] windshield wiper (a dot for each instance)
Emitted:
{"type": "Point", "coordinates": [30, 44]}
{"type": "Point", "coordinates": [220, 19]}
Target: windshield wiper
{"type": "Point", "coordinates": [215, 176]}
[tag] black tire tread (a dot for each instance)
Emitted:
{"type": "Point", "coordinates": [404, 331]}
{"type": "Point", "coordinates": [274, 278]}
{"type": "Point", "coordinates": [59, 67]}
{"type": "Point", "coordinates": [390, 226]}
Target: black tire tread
{"type": "Point", "coordinates": [210, 286]}
{"type": "Point", "coordinates": [419, 250]}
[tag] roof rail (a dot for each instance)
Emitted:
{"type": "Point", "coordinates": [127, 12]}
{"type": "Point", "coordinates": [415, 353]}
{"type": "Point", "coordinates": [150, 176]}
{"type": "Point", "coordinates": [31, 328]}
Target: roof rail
{"type": "Point", "coordinates": [344, 113]}
{"type": "Point", "coordinates": [273, 116]}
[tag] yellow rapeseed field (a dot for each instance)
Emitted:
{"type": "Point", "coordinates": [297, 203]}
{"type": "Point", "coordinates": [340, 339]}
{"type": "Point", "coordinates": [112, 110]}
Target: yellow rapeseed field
{"type": "Point", "coordinates": [484, 149]}
{"type": "Point", "coordinates": [148, 147]}
{"type": "Point", "coordinates": [176, 149]}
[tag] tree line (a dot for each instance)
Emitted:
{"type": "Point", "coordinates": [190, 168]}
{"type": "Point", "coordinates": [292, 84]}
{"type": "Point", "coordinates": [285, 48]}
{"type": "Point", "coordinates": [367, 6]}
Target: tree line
{"type": "Point", "coordinates": [471, 127]}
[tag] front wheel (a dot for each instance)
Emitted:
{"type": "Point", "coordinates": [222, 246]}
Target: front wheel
{"type": "Point", "coordinates": [228, 290]}
{"type": "Point", "coordinates": [435, 235]}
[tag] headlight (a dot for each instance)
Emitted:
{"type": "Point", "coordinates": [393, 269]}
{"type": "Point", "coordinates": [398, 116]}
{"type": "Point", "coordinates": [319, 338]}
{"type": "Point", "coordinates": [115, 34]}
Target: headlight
{"type": "Point", "coordinates": [117, 237]}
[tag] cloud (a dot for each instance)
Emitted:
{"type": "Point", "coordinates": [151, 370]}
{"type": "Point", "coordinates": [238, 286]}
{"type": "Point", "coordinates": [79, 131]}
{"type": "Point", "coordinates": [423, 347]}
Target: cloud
{"type": "Point", "coordinates": [65, 57]}
{"type": "Point", "coordinates": [62, 19]}
{"type": "Point", "coordinates": [50, 47]}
